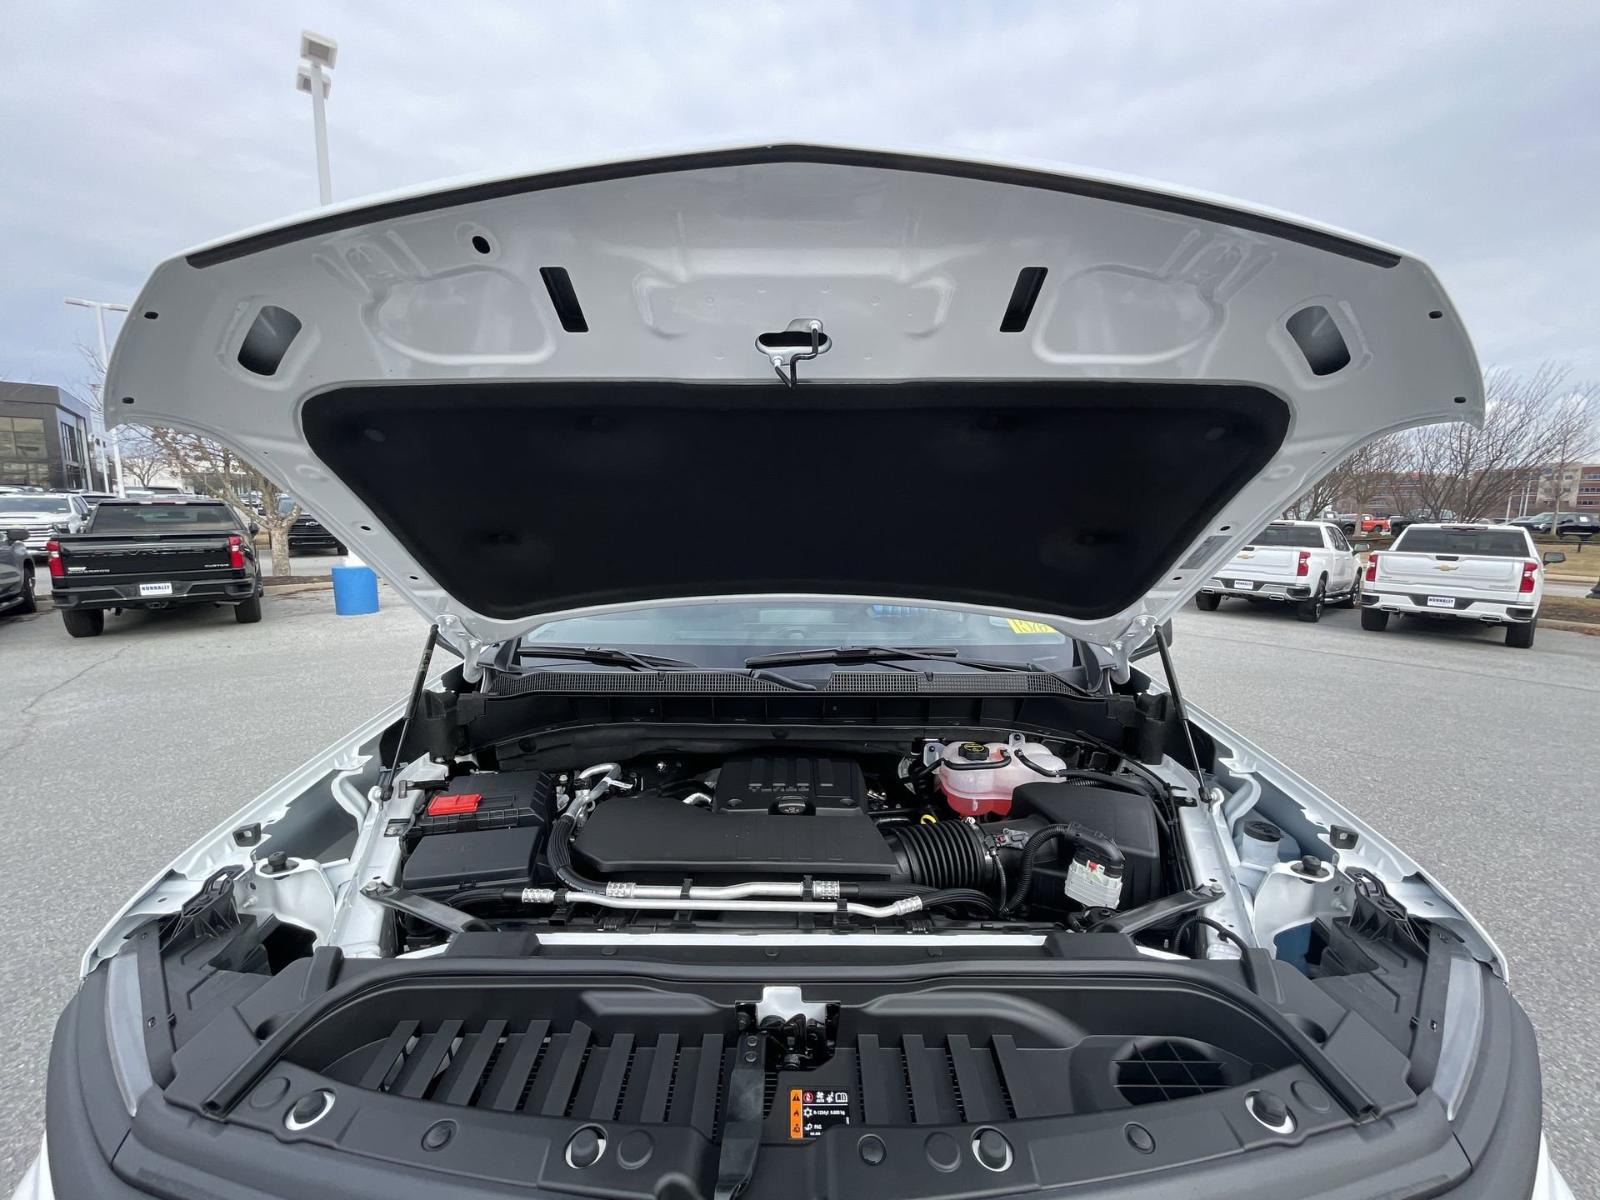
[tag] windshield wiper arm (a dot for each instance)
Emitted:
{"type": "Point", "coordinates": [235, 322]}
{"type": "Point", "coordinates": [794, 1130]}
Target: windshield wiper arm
{"type": "Point", "coordinates": [883, 654]}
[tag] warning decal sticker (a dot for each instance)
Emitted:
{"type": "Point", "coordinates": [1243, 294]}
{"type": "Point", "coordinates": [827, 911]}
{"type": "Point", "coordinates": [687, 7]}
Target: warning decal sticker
{"type": "Point", "coordinates": [812, 1113]}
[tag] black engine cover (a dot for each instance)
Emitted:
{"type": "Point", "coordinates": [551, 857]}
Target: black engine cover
{"type": "Point", "coordinates": [773, 816]}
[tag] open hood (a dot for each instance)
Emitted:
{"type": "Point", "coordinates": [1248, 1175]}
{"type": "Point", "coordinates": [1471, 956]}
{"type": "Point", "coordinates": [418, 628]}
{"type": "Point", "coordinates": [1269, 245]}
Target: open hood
{"type": "Point", "coordinates": [795, 369]}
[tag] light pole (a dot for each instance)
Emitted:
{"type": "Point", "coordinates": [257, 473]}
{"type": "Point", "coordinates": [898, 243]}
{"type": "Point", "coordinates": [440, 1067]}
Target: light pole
{"type": "Point", "coordinates": [101, 307]}
{"type": "Point", "coordinates": [355, 585]}
{"type": "Point", "coordinates": [318, 55]}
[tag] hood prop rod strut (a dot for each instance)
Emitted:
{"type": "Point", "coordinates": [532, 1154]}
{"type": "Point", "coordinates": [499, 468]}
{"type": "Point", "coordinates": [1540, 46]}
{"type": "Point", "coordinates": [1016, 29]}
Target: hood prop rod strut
{"type": "Point", "coordinates": [387, 782]}
{"type": "Point", "coordinates": [1177, 703]}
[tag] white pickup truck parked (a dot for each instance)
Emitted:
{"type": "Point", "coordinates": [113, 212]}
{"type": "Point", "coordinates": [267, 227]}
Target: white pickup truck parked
{"type": "Point", "coordinates": [1487, 573]}
{"type": "Point", "coordinates": [1309, 564]}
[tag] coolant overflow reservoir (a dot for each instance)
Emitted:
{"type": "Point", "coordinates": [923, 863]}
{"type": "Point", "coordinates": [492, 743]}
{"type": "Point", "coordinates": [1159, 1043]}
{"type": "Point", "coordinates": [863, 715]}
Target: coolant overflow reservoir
{"type": "Point", "coordinates": [979, 777]}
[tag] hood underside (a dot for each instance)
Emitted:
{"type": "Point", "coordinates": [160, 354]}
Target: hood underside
{"type": "Point", "coordinates": [1059, 395]}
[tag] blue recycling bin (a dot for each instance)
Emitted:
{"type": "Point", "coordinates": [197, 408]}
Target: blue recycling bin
{"type": "Point", "coordinates": [355, 591]}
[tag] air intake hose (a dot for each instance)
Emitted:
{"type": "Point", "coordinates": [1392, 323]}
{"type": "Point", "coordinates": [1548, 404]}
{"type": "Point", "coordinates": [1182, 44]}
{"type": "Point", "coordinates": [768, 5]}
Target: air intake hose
{"type": "Point", "coordinates": [950, 854]}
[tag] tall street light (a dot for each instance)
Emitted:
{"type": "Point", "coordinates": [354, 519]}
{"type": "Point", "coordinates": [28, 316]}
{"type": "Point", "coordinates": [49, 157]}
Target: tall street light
{"type": "Point", "coordinates": [101, 307]}
{"type": "Point", "coordinates": [318, 55]}
{"type": "Point", "coordinates": [355, 585]}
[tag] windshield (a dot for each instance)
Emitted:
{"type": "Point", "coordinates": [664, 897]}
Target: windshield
{"type": "Point", "coordinates": [1489, 543]}
{"type": "Point", "coordinates": [161, 518]}
{"type": "Point", "coordinates": [724, 634]}
{"type": "Point", "coordinates": [35, 504]}
{"type": "Point", "coordinates": [1308, 536]}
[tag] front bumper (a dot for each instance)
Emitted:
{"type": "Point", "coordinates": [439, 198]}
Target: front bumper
{"type": "Point", "coordinates": [36, 1184]}
{"type": "Point", "coordinates": [1466, 608]}
{"type": "Point", "coordinates": [1548, 1183]}
{"type": "Point", "coordinates": [126, 595]}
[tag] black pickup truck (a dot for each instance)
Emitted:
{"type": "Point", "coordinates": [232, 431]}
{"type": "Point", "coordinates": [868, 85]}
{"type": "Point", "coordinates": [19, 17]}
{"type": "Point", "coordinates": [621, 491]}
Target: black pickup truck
{"type": "Point", "coordinates": [155, 554]}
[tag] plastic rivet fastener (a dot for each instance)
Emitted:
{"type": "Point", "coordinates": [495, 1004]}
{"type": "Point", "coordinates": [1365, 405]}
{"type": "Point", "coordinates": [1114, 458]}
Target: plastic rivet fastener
{"type": "Point", "coordinates": [586, 1147]}
{"type": "Point", "coordinates": [308, 1110]}
{"type": "Point", "coordinates": [990, 1148]}
{"type": "Point", "coordinates": [872, 1150]}
{"type": "Point", "coordinates": [1270, 1109]}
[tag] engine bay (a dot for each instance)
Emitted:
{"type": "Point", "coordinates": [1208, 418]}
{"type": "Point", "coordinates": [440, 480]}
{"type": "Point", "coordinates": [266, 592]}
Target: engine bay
{"type": "Point", "coordinates": [959, 833]}
{"type": "Point", "coordinates": [753, 935]}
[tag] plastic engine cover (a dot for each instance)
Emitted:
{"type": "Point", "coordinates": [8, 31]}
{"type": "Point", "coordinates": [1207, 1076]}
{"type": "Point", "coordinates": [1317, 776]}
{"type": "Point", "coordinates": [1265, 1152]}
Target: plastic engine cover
{"type": "Point", "coordinates": [772, 815]}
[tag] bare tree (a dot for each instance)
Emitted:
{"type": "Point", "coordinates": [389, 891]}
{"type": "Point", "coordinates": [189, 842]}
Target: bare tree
{"type": "Point", "coordinates": [1532, 424]}
{"type": "Point", "coordinates": [143, 457]}
{"type": "Point", "coordinates": [218, 469]}
{"type": "Point", "coordinates": [1319, 498]}
{"type": "Point", "coordinates": [94, 374]}
{"type": "Point", "coordinates": [1572, 431]}
{"type": "Point", "coordinates": [1458, 471]}
{"type": "Point", "coordinates": [1372, 471]}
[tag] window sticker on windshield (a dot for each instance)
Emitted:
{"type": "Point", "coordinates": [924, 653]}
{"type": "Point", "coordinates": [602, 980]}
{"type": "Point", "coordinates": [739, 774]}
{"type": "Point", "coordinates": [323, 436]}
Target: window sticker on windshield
{"type": "Point", "coordinates": [813, 1113]}
{"type": "Point", "coordinates": [1018, 626]}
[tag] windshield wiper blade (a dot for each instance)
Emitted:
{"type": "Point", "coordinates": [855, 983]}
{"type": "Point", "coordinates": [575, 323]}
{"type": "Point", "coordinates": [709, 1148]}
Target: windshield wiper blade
{"type": "Point", "coordinates": [612, 656]}
{"type": "Point", "coordinates": [636, 661]}
{"type": "Point", "coordinates": [883, 654]}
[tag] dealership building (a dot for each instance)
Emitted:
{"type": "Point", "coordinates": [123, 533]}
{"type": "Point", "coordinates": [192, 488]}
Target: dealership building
{"type": "Point", "coordinates": [46, 437]}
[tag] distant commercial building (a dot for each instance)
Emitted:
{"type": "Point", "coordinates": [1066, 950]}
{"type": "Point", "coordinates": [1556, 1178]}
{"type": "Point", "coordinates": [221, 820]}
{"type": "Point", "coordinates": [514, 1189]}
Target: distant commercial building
{"type": "Point", "coordinates": [1588, 494]}
{"type": "Point", "coordinates": [1575, 485]}
{"type": "Point", "coordinates": [45, 437]}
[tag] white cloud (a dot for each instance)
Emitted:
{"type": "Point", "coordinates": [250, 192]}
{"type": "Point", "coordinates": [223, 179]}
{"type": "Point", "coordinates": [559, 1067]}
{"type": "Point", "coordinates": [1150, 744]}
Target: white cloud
{"type": "Point", "coordinates": [1464, 132]}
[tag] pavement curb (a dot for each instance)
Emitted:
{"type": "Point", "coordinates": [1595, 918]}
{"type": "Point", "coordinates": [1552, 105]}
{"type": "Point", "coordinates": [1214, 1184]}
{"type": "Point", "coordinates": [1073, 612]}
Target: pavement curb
{"type": "Point", "coordinates": [290, 589]}
{"type": "Point", "coordinates": [1585, 627]}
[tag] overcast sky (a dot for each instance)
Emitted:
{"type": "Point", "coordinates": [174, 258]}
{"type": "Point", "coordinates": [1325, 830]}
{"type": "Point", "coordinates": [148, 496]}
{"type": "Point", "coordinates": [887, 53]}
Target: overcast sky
{"type": "Point", "coordinates": [1468, 133]}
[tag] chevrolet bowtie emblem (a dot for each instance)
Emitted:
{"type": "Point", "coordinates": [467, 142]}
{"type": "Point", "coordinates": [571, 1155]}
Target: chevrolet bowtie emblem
{"type": "Point", "coordinates": [1445, 566]}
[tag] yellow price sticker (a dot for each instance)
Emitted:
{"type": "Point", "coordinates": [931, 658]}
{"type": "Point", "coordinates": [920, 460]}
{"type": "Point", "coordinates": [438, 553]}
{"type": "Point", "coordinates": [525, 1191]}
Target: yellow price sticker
{"type": "Point", "coordinates": [1019, 626]}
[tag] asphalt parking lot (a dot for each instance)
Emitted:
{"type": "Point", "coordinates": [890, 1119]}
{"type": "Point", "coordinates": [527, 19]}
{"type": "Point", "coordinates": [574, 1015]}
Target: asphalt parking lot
{"type": "Point", "coordinates": [1479, 760]}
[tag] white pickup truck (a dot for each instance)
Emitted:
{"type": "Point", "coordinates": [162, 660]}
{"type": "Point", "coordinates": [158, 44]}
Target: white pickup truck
{"type": "Point", "coordinates": [1309, 564]}
{"type": "Point", "coordinates": [1487, 573]}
